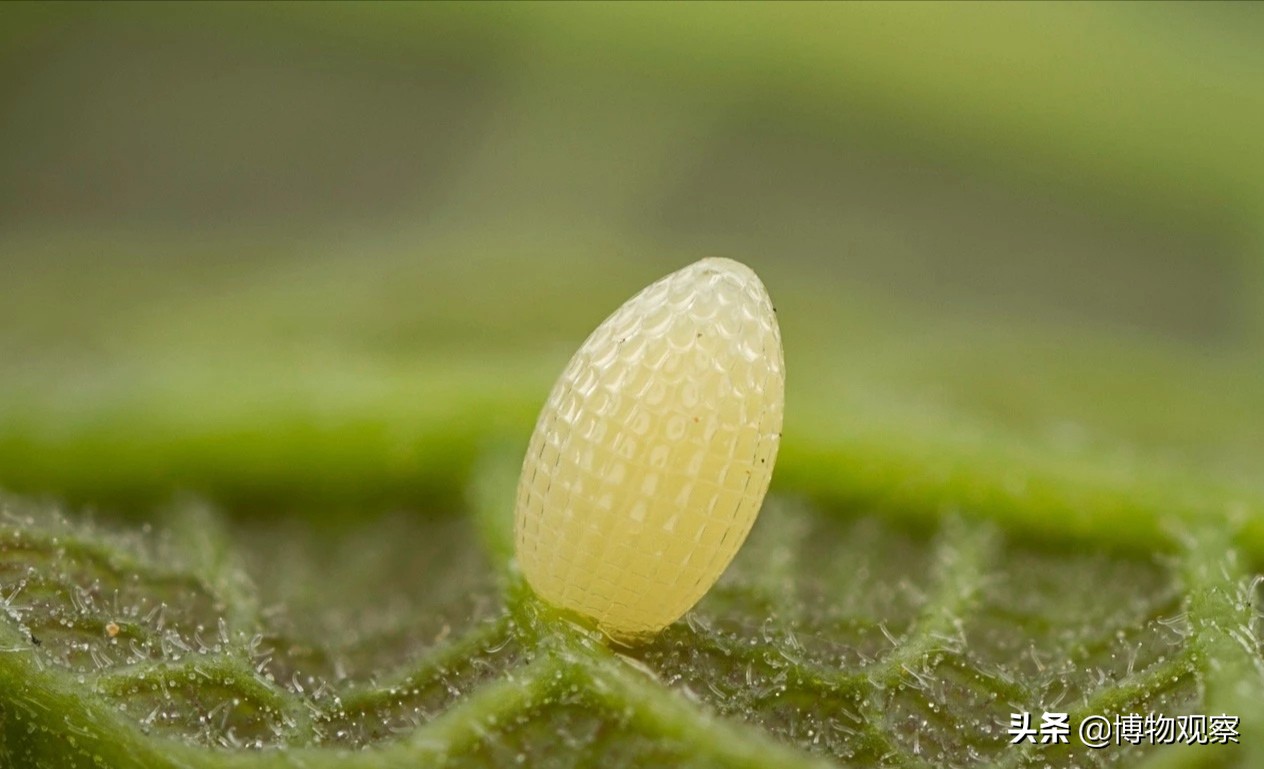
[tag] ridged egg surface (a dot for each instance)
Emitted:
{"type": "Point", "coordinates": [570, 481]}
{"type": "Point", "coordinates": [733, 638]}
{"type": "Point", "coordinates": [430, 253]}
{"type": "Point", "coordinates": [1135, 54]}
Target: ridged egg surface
{"type": "Point", "coordinates": [652, 456]}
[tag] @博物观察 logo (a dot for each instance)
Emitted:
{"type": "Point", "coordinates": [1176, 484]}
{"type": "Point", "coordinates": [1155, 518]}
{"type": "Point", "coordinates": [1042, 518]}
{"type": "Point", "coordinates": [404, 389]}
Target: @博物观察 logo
{"type": "Point", "coordinates": [1100, 731]}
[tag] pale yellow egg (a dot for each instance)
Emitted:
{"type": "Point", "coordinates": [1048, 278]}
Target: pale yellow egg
{"type": "Point", "coordinates": [653, 454]}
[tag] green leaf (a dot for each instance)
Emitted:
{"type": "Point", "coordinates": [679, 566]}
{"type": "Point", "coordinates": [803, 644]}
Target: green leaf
{"type": "Point", "coordinates": [837, 635]}
{"type": "Point", "coordinates": [1022, 317]}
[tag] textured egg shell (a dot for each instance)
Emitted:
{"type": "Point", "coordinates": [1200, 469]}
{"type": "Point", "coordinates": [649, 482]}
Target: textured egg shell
{"type": "Point", "coordinates": [654, 451]}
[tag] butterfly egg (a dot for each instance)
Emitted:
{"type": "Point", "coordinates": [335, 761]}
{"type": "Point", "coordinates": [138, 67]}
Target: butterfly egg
{"type": "Point", "coordinates": [652, 455]}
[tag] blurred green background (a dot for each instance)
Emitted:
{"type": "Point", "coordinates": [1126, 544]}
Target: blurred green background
{"type": "Point", "coordinates": [320, 257]}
